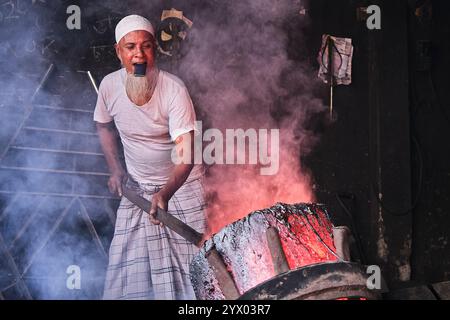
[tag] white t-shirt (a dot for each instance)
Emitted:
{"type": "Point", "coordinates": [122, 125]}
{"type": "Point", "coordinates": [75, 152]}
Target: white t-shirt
{"type": "Point", "coordinates": [148, 132]}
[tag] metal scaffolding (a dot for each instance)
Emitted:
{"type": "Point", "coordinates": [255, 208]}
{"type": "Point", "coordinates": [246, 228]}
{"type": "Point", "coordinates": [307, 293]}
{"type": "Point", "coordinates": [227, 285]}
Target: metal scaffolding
{"type": "Point", "coordinates": [16, 267]}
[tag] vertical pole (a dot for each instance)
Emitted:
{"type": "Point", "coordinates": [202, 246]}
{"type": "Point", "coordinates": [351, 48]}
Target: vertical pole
{"type": "Point", "coordinates": [330, 72]}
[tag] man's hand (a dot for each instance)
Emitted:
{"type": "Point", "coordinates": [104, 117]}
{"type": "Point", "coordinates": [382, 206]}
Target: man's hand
{"type": "Point", "coordinates": [159, 200]}
{"type": "Point", "coordinates": [115, 182]}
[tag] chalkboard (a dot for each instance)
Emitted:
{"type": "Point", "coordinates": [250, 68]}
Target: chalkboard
{"type": "Point", "coordinates": [36, 30]}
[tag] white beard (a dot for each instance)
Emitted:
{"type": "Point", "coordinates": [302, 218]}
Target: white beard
{"type": "Point", "coordinates": [140, 89]}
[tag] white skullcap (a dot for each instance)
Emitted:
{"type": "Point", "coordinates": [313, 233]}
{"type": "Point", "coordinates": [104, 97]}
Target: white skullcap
{"type": "Point", "coordinates": [133, 23]}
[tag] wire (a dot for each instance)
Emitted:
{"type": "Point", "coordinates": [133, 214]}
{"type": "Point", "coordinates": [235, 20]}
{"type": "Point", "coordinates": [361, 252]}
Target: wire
{"type": "Point", "coordinates": [320, 238]}
{"type": "Point", "coordinates": [353, 225]}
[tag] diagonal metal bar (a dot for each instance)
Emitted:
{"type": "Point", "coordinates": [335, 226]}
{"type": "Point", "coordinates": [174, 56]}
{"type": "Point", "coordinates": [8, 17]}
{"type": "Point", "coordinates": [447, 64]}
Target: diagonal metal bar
{"type": "Point", "coordinates": [169, 220]}
{"type": "Point", "coordinates": [84, 153]}
{"type": "Point", "coordinates": [12, 265]}
{"type": "Point", "coordinates": [84, 214]}
{"type": "Point", "coordinates": [27, 223]}
{"type": "Point", "coordinates": [49, 235]}
{"type": "Point", "coordinates": [87, 220]}
{"type": "Point", "coordinates": [111, 214]}
{"type": "Point", "coordinates": [85, 133]}
{"type": "Point", "coordinates": [43, 80]}
{"type": "Point", "coordinates": [15, 197]}
{"type": "Point", "coordinates": [41, 106]}
{"type": "Point", "coordinates": [28, 110]}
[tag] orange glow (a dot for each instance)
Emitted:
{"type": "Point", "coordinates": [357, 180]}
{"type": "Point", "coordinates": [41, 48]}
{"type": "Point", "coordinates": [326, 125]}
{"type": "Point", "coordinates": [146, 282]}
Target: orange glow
{"type": "Point", "coordinates": [307, 248]}
{"type": "Point", "coordinates": [235, 191]}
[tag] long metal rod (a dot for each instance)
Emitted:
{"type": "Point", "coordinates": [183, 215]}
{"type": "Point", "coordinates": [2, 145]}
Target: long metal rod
{"type": "Point", "coordinates": [87, 220]}
{"type": "Point", "coordinates": [93, 81]}
{"type": "Point", "coordinates": [49, 235]}
{"type": "Point", "coordinates": [109, 212]}
{"type": "Point", "coordinates": [166, 218]}
{"type": "Point", "coordinates": [330, 72]}
{"type": "Point", "coordinates": [27, 223]}
{"type": "Point", "coordinates": [41, 106]}
{"type": "Point", "coordinates": [61, 131]}
{"type": "Point", "coordinates": [56, 171]}
{"type": "Point", "coordinates": [58, 151]}
{"type": "Point", "coordinates": [331, 102]}
{"type": "Point", "coordinates": [224, 278]}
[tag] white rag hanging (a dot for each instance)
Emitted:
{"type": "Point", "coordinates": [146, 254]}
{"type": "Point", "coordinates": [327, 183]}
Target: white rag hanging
{"type": "Point", "coordinates": [341, 60]}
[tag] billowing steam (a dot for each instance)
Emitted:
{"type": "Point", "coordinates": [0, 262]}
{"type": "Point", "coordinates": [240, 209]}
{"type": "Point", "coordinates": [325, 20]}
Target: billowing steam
{"type": "Point", "coordinates": [51, 199]}
{"type": "Point", "coordinates": [240, 74]}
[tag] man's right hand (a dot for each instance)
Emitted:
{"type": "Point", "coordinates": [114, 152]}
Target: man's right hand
{"type": "Point", "coordinates": [115, 182]}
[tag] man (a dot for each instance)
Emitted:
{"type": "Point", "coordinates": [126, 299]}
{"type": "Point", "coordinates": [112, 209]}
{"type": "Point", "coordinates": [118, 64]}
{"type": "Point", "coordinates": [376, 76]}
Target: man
{"type": "Point", "coordinates": [152, 114]}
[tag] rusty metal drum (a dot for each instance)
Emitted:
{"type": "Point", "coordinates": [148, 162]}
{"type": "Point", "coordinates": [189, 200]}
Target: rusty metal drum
{"type": "Point", "coordinates": [261, 246]}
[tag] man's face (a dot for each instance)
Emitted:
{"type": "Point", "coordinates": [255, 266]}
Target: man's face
{"type": "Point", "coordinates": [136, 47]}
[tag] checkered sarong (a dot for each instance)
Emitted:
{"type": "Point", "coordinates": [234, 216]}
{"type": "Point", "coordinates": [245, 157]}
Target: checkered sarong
{"type": "Point", "coordinates": [150, 262]}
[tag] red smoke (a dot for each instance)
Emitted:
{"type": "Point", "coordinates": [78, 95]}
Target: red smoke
{"type": "Point", "coordinates": [234, 191]}
{"type": "Point", "coordinates": [251, 82]}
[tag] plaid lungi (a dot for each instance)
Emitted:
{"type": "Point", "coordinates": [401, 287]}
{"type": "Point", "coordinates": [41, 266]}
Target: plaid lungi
{"type": "Point", "coordinates": [147, 261]}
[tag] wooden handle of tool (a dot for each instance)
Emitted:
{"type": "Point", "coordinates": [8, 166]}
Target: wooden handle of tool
{"type": "Point", "coordinates": [166, 218]}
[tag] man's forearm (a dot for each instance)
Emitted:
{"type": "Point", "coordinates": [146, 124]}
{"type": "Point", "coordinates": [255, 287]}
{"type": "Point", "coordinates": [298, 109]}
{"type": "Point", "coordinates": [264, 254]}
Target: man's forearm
{"type": "Point", "coordinates": [108, 141]}
{"type": "Point", "coordinates": [184, 143]}
{"type": "Point", "coordinates": [177, 178]}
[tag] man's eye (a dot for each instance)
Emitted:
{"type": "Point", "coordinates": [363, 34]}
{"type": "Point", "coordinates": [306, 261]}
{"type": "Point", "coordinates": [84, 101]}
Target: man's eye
{"type": "Point", "coordinates": [129, 47]}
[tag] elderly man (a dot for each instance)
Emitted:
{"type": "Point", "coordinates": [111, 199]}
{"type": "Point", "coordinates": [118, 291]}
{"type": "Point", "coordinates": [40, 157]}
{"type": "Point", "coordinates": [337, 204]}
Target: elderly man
{"type": "Point", "coordinates": [153, 113]}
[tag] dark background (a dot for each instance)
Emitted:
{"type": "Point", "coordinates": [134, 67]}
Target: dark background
{"type": "Point", "coordinates": [389, 137]}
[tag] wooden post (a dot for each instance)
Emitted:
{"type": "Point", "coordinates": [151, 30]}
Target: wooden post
{"type": "Point", "coordinates": [226, 282]}
{"type": "Point", "coordinates": [276, 250]}
{"type": "Point", "coordinates": [341, 237]}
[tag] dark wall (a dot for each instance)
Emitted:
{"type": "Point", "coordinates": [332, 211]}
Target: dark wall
{"type": "Point", "coordinates": [430, 115]}
{"type": "Point", "coordinates": [389, 137]}
{"type": "Point", "coordinates": [363, 161]}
